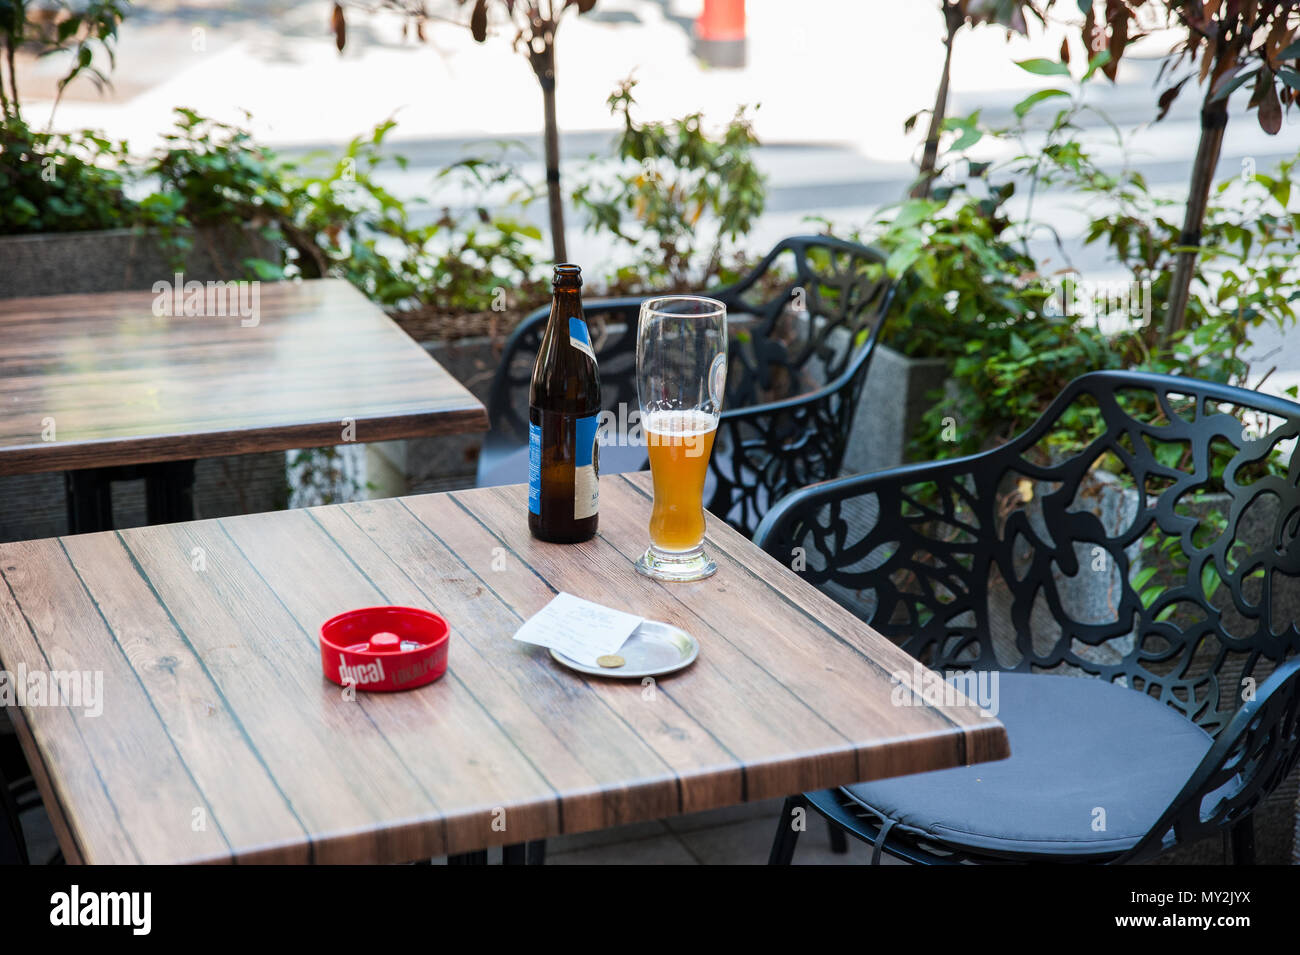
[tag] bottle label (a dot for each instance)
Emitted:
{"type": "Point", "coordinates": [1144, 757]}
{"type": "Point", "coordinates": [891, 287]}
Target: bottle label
{"type": "Point", "coordinates": [586, 467]}
{"type": "Point", "coordinates": [580, 338]}
{"type": "Point", "coordinates": [535, 468]}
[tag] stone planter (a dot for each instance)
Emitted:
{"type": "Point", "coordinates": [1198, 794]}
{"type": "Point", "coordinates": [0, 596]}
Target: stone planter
{"type": "Point", "coordinates": [447, 462]}
{"type": "Point", "coordinates": [894, 398]}
{"type": "Point", "coordinates": [118, 260]}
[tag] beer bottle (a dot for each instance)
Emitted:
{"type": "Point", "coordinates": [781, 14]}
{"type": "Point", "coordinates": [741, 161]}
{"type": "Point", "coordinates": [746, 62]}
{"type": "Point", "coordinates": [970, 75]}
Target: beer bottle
{"type": "Point", "coordinates": [563, 413]}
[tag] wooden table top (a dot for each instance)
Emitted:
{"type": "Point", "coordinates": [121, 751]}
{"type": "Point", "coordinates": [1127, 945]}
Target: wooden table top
{"type": "Point", "coordinates": [220, 740]}
{"type": "Point", "coordinates": [123, 386]}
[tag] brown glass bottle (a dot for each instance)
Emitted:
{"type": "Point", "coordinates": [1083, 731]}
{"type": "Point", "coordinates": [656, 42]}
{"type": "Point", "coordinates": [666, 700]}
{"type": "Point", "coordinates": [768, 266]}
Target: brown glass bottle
{"type": "Point", "coordinates": [563, 416]}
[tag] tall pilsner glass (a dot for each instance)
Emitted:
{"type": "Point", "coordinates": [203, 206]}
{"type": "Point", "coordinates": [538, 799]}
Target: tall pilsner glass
{"type": "Point", "coordinates": [681, 369]}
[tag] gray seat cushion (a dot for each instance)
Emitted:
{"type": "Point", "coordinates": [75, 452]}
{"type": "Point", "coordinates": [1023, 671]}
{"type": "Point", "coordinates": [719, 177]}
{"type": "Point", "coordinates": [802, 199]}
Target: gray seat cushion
{"type": "Point", "coordinates": [1077, 745]}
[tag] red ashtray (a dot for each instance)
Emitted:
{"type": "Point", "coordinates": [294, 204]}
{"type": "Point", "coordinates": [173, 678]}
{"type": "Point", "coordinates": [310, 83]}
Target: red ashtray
{"type": "Point", "coordinates": [384, 648]}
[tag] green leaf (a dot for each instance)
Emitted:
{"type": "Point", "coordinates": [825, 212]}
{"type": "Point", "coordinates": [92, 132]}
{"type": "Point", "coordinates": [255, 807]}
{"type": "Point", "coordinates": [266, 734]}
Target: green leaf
{"type": "Point", "coordinates": [1033, 99]}
{"type": "Point", "coordinates": [901, 259]}
{"type": "Point", "coordinates": [1019, 350]}
{"type": "Point", "coordinates": [1209, 579]}
{"type": "Point", "coordinates": [1043, 67]}
{"type": "Point", "coordinates": [1097, 62]}
{"type": "Point", "coordinates": [1143, 577]}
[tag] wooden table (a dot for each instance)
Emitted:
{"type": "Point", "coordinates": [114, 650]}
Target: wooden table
{"type": "Point", "coordinates": [98, 385]}
{"type": "Point", "coordinates": [215, 710]}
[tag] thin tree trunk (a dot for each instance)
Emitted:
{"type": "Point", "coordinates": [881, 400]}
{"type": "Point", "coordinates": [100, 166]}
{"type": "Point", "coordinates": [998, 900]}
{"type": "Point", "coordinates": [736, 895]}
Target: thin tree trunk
{"type": "Point", "coordinates": [1214, 120]}
{"type": "Point", "coordinates": [931, 156]}
{"type": "Point", "coordinates": [13, 79]}
{"type": "Point", "coordinates": [544, 66]}
{"type": "Point", "coordinates": [4, 98]}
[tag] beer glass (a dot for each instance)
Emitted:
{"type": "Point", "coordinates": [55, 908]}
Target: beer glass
{"type": "Point", "coordinates": [681, 370]}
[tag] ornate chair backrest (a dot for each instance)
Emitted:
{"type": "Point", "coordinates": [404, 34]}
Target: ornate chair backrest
{"type": "Point", "coordinates": [1161, 550]}
{"type": "Point", "coordinates": [805, 315]}
{"type": "Point", "coordinates": [815, 305]}
{"type": "Point", "coordinates": [613, 336]}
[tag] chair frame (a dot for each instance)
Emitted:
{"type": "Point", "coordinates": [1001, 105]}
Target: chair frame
{"type": "Point", "coordinates": [776, 446]}
{"type": "Point", "coordinates": [931, 593]}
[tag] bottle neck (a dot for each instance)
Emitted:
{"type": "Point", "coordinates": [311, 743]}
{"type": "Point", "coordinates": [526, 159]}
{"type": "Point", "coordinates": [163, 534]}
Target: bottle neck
{"type": "Point", "coordinates": [566, 303]}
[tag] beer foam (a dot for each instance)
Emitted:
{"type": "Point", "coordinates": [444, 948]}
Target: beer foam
{"type": "Point", "coordinates": [679, 423]}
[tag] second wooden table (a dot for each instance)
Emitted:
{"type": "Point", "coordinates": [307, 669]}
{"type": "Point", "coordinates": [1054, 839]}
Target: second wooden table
{"type": "Point", "coordinates": [102, 387]}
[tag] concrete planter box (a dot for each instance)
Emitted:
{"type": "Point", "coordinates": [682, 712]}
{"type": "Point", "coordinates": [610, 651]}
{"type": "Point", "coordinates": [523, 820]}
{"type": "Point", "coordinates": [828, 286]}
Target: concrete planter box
{"type": "Point", "coordinates": [894, 398]}
{"type": "Point", "coordinates": [447, 462]}
{"type": "Point", "coordinates": [118, 260]}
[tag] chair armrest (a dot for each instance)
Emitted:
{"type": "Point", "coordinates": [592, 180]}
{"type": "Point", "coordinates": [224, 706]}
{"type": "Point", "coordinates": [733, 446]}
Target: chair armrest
{"type": "Point", "coordinates": [1250, 758]}
{"type": "Point", "coordinates": [908, 549]}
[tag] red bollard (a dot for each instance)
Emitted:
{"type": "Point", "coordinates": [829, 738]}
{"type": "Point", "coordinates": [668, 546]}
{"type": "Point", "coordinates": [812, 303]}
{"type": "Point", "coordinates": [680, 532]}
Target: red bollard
{"type": "Point", "coordinates": [720, 33]}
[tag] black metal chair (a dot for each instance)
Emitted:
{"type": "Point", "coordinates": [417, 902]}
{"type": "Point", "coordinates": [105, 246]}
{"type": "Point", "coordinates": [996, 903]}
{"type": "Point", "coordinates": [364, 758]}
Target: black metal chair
{"type": "Point", "coordinates": [815, 306]}
{"type": "Point", "coordinates": [1177, 577]}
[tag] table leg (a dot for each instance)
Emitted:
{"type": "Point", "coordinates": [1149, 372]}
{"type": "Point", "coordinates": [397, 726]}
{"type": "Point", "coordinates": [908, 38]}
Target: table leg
{"type": "Point", "coordinates": [169, 492]}
{"type": "Point", "coordinates": [90, 501]}
{"type": "Point", "coordinates": [516, 854]}
{"type": "Point", "coordinates": [468, 858]}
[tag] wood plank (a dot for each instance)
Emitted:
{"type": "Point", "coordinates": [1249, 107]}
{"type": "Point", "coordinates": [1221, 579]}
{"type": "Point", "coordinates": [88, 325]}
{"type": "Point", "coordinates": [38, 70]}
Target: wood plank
{"type": "Point", "coordinates": [124, 386]}
{"type": "Point", "coordinates": [126, 754]}
{"type": "Point", "coordinates": [355, 797]}
{"type": "Point", "coordinates": [599, 769]}
{"type": "Point", "coordinates": [451, 742]}
{"type": "Point", "coordinates": [198, 721]}
{"type": "Point", "coordinates": [739, 714]}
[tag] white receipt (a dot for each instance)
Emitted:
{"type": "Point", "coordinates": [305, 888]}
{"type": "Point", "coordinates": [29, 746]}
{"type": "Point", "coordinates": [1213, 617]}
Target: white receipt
{"type": "Point", "coordinates": [578, 628]}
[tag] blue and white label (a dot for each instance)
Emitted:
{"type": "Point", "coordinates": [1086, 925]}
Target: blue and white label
{"type": "Point", "coordinates": [535, 468]}
{"type": "Point", "coordinates": [580, 337]}
{"type": "Point", "coordinates": [586, 467]}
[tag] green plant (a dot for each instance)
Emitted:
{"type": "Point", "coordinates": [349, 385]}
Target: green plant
{"type": "Point", "coordinates": [959, 14]}
{"type": "Point", "coordinates": [61, 182]}
{"type": "Point", "coordinates": [1007, 372]}
{"type": "Point", "coordinates": [959, 275]}
{"type": "Point", "coordinates": [452, 265]}
{"type": "Point", "coordinates": [336, 219]}
{"type": "Point", "coordinates": [676, 183]}
{"type": "Point", "coordinates": [56, 26]}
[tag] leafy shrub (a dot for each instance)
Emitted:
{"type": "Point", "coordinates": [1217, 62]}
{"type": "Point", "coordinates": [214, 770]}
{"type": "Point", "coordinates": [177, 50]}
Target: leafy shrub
{"type": "Point", "coordinates": [54, 182]}
{"type": "Point", "coordinates": [676, 183]}
{"type": "Point", "coordinates": [973, 292]}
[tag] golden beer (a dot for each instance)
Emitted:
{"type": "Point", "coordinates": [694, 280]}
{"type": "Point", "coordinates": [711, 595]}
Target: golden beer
{"type": "Point", "coordinates": [681, 376]}
{"type": "Point", "coordinates": [679, 443]}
